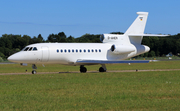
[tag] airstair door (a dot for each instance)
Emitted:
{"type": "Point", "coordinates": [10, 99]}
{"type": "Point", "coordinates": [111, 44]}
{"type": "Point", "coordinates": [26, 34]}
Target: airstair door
{"type": "Point", "coordinates": [45, 54]}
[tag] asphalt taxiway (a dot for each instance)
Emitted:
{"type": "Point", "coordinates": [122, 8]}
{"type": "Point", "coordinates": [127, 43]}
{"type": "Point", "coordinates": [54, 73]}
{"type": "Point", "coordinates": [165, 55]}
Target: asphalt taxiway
{"type": "Point", "coordinates": [26, 73]}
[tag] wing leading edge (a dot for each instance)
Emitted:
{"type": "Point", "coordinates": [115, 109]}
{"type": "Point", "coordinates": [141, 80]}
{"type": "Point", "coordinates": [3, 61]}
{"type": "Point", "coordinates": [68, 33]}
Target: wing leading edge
{"type": "Point", "coordinates": [111, 62]}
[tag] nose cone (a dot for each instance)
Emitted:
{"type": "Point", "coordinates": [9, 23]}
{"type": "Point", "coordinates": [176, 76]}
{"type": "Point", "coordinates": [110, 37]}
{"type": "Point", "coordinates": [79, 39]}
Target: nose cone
{"type": "Point", "coordinates": [15, 58]}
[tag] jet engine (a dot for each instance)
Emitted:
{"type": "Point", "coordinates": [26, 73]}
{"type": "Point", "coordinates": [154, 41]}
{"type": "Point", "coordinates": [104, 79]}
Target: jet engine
{"type": "Point", "coordinates": [122, 49]}
{"type": "Point", "coordinates": [109, 38]}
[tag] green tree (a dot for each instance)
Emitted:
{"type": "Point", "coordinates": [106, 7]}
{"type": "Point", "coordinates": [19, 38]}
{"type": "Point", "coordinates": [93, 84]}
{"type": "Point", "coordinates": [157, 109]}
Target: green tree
{"type": "Point", "coordinates": [2, 55]}
{"type": "Point", "coordinates": [152, 54]}
{"type": "Point", "coordinates": [62, 34]}
{"type": "Point", "coordinates": [40, 38]}
{"type": "Point", "coordinates": [70, 39]}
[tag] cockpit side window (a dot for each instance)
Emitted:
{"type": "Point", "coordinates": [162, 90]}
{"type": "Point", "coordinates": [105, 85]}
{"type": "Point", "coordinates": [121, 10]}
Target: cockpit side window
{"type": "Point", "coordinates": [26, 49]}
{"type": "Point", "coordinates": [35, 49]}
{"type": "Point", "coordinates": [30, 48]}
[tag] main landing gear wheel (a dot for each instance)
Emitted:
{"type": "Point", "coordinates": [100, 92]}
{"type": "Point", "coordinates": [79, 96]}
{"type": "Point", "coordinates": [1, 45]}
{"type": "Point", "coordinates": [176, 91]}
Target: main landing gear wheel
{"type": "Point", "coordinates": [34, 69]}
{"type": "Point", "coordinates": [101, 69]}
{"type": "Point", "coordinates": [83, 69]}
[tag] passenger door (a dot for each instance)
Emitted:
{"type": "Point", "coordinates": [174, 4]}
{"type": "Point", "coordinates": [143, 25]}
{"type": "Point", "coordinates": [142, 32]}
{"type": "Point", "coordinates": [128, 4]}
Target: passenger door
{"type": "Point", "coordinates": [45, 54]}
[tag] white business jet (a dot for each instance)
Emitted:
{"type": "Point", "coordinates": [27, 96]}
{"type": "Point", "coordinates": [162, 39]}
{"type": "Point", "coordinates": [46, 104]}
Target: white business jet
{"type": "Point", "coordinates": [113, 49]}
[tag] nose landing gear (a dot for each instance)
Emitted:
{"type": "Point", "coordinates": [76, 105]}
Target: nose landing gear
{"type": "Point", "coordinates": [34, 69]}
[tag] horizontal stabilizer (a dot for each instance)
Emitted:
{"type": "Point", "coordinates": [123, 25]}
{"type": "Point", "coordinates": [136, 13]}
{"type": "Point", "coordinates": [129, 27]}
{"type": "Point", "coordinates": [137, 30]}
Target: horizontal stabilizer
{"type": "Point", "coordinates": [152, 35]}
{"type": "Point", "coordinates": [111, 62]}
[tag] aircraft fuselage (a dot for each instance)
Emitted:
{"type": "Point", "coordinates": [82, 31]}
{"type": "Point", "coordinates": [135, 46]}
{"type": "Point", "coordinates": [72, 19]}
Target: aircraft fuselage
{"type": "Point", "coordinates": [69, 53]}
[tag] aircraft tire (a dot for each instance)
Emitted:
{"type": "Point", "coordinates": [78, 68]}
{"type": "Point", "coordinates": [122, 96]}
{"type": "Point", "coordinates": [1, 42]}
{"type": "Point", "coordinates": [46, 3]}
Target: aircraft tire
{"type": "Point", "coordinates": [83, 70]}
{"type": "Point", "coordinates": [33, 72]}
{"type": "Point", "coordinates": [101, 69]}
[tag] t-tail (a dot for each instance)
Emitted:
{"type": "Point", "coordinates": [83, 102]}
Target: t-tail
{"type": "Point", "coordinates": [138, 26]}
{"type": "Point", "coordinates": [131, 40]}
{"type": "Point", "coordinates": [136, 30]}
{"type": "Point", "coordinates": [134, 33]}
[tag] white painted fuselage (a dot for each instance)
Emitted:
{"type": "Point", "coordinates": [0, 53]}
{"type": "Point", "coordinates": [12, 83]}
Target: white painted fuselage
{"type": "Point", "coordinates": [70, 53]}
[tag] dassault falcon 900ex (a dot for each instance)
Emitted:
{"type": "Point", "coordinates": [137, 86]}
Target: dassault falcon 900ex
{"type": "Point", "coordinates": [113, 49]}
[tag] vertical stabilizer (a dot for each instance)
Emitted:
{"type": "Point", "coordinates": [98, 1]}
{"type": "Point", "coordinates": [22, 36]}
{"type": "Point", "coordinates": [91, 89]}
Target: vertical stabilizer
{"type": "Point", "coordinates": [138, 26]}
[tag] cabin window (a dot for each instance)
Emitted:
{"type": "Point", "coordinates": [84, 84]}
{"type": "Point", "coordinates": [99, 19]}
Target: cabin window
{"type": "Point", "coordinates": [69, 50]}
{"type": "Point", "coordinates": [34, 49]}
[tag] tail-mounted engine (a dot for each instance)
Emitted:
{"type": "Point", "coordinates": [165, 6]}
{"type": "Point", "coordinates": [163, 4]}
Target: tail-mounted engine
{"type": "Point", "coordinates": [109, 38]}
{"type": "Point", "coordinates": [122, 49]}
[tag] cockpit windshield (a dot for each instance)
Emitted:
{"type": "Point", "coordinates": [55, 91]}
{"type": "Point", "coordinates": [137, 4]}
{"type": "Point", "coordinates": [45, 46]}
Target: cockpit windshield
{"type": "Point", "coordinates": [30, 49]}
{"type": "Point", "coordinates": [26, 49]}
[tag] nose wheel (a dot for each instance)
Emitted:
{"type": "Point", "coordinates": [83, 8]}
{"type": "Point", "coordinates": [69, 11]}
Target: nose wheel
{"type": "Point", "coordinates": [34, 69]}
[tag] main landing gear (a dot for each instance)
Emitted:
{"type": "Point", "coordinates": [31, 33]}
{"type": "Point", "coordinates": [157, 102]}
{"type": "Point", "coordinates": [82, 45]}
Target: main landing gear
{"type": "Point", "coordinates": [101, 69]}
{"type": "Point", "coordinates": [83, 69]}
{"type": "Point", "coordinates": [34, 69]}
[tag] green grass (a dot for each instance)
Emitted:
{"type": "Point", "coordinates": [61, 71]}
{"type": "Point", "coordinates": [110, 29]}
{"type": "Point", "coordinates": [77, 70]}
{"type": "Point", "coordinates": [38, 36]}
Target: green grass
{"type": "Point", "coordinates": [16, 68]}
{"type": "Point", "coordinates": [91, 91]}
{"type": "Point", "coordinates": [157, 90]}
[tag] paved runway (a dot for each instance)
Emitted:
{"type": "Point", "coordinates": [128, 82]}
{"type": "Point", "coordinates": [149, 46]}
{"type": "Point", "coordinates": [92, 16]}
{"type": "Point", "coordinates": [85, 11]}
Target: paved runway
{"type": "Point", "coordinates": [90, 72]}
{"type": "Point", "coordinates": [7, 63]}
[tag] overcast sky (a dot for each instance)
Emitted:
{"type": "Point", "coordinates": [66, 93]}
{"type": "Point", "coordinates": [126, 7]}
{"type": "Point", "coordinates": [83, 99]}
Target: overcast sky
{"type": "Point", "coordinates": [78, 17]}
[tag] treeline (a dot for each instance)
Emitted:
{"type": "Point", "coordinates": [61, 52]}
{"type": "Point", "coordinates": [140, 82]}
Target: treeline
{"type": "Point", "coordinates": [160, 46]}
{"type": "Point", "coordinates": [10, 44]}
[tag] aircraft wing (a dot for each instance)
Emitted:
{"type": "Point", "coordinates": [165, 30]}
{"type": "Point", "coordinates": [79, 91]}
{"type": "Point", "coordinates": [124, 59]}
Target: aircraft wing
{"type": "Point", "coordinates": [111, 61]}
